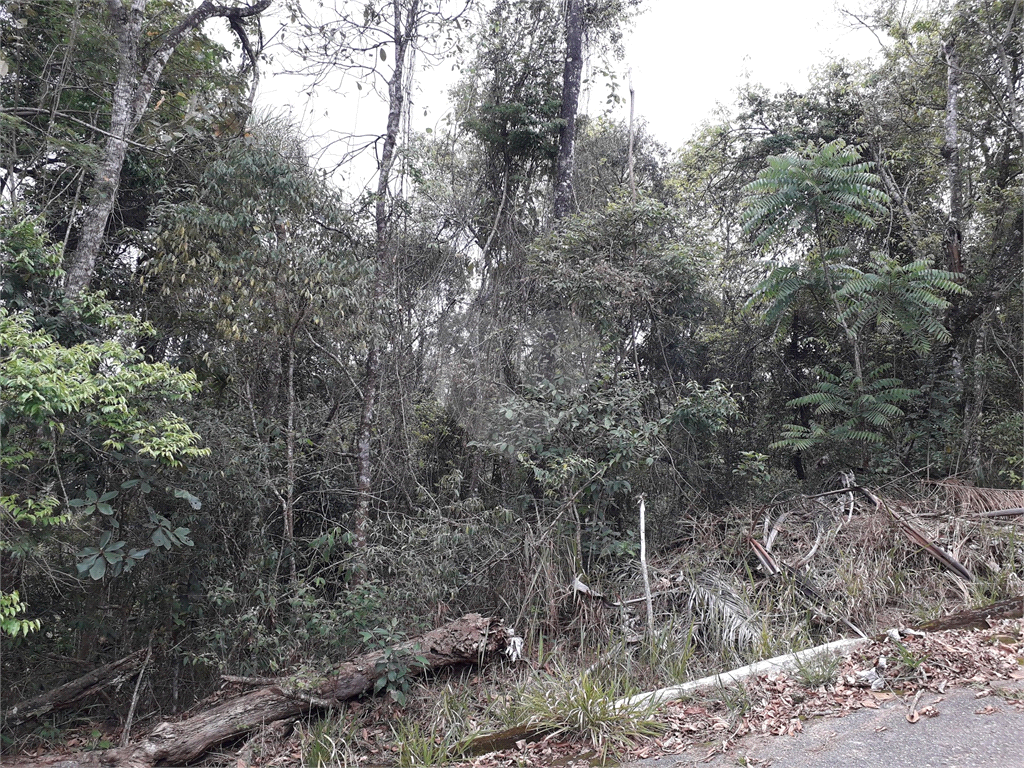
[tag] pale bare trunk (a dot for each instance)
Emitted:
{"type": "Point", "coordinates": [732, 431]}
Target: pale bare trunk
{"type": "Point", "coordinates": [108, 176]}
{"type": "Point", "coordinates": [133, 89]}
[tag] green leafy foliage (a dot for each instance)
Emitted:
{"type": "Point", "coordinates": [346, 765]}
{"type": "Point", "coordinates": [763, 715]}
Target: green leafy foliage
{"type": "Point", "coordinates": [906, 297]}
{"type": "Point", "coordinates": [801, 193]}
{"type": "Point", "coordinates": [820, 200]}
{"type": "Point", "coordinates": [63, 62]}
{"type": "Point", "coordinates": [592, 434]}
{"type": "Point", "coordinates": [530, 378]}
{"type": "Point", "coordinates": [858, 413]}
{"type": "Point", "coordinates": [517, 85]}
{"type": "Point", "coordinates": [394, 672]}
{"type": "Point", "coordinates": [622, 268]}
{"type": "Point", "coordinates": [69, 407]}
{"type": "Point", "coordinates": [258, 229]}
{"type": "Point", "coordinates": [10, 625]}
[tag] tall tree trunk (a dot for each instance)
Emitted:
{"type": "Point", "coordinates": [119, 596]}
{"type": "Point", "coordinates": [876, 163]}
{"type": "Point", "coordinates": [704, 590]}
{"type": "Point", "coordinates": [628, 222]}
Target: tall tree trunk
{"type": "Point", "coordinates": [571, 78]}
{"type": "Point", "coordinates": [951, 154]}
{"type": "Point", "coordinates": [952, 240]}
{"type": "Point", "coordinates": [364, 477]}
{"type": "Point", "coordinates": [289, 499]}
{"type": "Point", "coordinates": [404, 31]}
{"type": "Point", "coordinates": [128, 22]}
{"type": "Point", "coordinates": [133, 88]}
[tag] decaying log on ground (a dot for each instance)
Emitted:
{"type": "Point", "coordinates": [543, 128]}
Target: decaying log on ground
{"type": "Point", "coordinates": [1013, 608]}
{"type": "Point", "coordinates": [468, 640]}
{"type": "Point", "coordinates": [70, 693]}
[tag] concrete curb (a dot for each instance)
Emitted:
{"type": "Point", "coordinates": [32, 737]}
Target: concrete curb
{"type": "Point", "coordinates": [787, 661]}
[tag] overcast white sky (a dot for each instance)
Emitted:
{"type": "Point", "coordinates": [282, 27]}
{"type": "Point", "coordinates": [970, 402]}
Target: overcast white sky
{"type": "Point", "coordinates": [686, 56]}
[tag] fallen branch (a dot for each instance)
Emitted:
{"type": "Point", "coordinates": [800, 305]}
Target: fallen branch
{"type": "Point", "coordinates": [788, 661]}
{"type": "Point", "coordinates": [1003, 512]}
{"type": "Point", "coordinates": [944, 557]}
{"type": "Point", "coordinates": [814, 600]}
{"type": "Point", "coordinates": [127, 731]}
{"type": "Point", "coordinates": [507, 739]}
{"type": "Point", "coordinates": [70, 693]}
{"type": "Point", "coordinates": [468, 640]}
{"type": "Point", "coordinates": [1013, 608]}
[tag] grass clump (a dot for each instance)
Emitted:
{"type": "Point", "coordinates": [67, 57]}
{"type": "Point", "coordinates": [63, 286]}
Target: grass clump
{"type": "Point", "coordinates": [584, 707]}
{"type": "Point", "coordinates": [420, 744]}
{"type": "Point", "coordinates": [329, 741]}
{"type": "Point", "coordinates": [735, 698]}
{"type": "Point", "coordinates": [817, 670]}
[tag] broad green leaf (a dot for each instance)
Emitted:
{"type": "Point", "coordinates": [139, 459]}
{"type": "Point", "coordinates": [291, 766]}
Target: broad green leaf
{"type": "Point", "coordinates": [98, 569]}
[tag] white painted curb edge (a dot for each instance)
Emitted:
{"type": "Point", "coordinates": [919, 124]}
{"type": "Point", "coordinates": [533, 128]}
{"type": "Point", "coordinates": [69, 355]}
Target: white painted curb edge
{"type": "Point", "coordinates": [786, 662]}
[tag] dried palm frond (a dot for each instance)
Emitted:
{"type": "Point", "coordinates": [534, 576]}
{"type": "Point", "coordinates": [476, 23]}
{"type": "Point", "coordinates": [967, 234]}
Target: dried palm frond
{"type": "Point", "coordinates": [724, 613]}
{"type": "Point", "coordinates": [968, 499]}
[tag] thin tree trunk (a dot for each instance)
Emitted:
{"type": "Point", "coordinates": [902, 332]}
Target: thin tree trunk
{"type": "Point", "coordinates": [289, 506]}
{"type": "Point", "coordinates": [630, 161]}
{"type": "Point", "coordinates": [364, 478]}
{"type": "Point", "coordinates": [951, 155]}
{"type": "Point", "coordinates": [404, 31]}
{"type": "Point", "coordinates": [571, 78]}
{"type": "Point", "coordinates": [952, 239]}
{"type": "Point", "coordinates": [974, 406]}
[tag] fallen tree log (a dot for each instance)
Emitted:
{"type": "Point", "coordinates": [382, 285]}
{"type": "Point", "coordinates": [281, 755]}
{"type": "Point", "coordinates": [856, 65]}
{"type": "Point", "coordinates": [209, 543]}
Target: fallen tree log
{"type": "Point", "coordinates": [465, 641]}
{"type": "Point", "coordinates": [70, 693]}
{"type": "Point", "coordinates": [978, 618]}
{"type": "Point", "coordinates": [786, 662]}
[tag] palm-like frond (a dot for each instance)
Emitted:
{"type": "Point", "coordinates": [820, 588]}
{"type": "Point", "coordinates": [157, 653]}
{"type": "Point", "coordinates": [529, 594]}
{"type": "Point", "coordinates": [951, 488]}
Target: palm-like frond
{"type": "Point", "coordinates": [860, 411]}
{"type": "Point", "coordinates": [798, 189]}
{"type": "Point", "coordinates": [906, 296]}
{"type": "Point", "coordinates": [723, 611]}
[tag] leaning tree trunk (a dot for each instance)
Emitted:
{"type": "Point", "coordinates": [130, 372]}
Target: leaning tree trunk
{"type": "Point", "coordinates": [128, 22]}
{"type": "Point", "coordinates": [468, 640]}
{"type": "Point", "coordinates": [133, 90]}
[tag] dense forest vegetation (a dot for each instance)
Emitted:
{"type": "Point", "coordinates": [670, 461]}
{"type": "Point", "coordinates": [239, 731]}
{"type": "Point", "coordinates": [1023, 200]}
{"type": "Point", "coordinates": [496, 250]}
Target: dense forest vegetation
{"type": "Point", "coordinates": [256, 422]}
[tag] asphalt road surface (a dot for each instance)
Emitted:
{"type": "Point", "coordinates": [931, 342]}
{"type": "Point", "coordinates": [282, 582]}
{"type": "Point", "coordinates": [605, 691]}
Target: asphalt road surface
{"type": "Point", "coordinates": [962, 731]}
